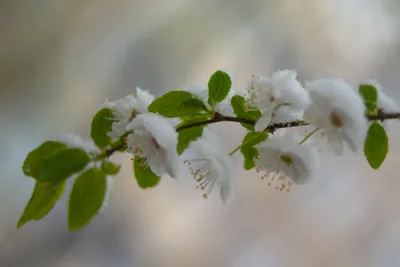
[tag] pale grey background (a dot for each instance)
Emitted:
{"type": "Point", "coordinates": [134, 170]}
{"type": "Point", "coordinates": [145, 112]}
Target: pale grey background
{"type": "Point", "coordinates": [60, 59]}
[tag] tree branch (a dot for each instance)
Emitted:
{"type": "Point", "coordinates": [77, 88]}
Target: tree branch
{"type": "Point", "coordinates": [271, 128]}
{"type": "Point", "coordinates": [383, 116]}
{"type": "Point", "coordinates": [198, 123]}
{"type": "Point", "coordinates": [218, 118]}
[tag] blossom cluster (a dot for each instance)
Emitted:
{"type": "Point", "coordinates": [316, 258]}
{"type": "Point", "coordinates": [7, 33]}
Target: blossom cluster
{"type": "Point", "coordinates": [165, 133]}
{"type": "Point", "coordinates": [331, 105]}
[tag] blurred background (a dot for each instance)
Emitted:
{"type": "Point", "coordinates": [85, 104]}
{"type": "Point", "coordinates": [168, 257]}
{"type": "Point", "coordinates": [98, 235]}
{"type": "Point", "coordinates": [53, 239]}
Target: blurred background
{"type": "Point", "coordinates": [59, 61]}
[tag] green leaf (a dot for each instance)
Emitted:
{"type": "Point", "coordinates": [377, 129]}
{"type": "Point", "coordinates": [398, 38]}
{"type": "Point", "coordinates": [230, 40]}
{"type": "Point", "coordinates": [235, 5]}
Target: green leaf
{"type": "Point", "coordinates": [193, 119]}
{"type": "Point", "coordinates": [87, 197]}
{"type": "Point", "coordinates": [195, 104]}
{"type": "Point", "coordinates": [370, 96]}
{"type": "Point", "coordinates": [145, 177]}
{"type": "Point", "coordinates": [43, 199]}
{"type": "Point", "coordinates": [239, 107]}
{"type": "Point", "coordinates": [177, 104]}
{"type": "Point", "coordinates": [61, 165]}
{"type": "Point", "coordinates": [191, 134]}
{"type": "Point", "coordinates": [218, 87]}
{"type": "Point", "coordinates": [110, 168]}
{"type": "Point", "coordinates": [38, 155]}
{"type": "Point", "coordinates": [186, 136]}
{"type": "Point", "coordinates": [376, 145]}
{"type": "Point", "coordinates": [101, 125]}
{"type": "Point", "coordinates": [250, 153]}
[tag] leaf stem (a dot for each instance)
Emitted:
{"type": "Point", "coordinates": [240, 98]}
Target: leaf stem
{"type": "Point", "coordinates": [308, 136]}
{"type": "Point", "coordinates": [117, 146]}
{"type": "Point", "coordinates": [235, 150]}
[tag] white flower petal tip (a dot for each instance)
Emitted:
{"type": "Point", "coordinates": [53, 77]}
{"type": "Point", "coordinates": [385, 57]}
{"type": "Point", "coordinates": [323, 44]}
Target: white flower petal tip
{"type": "Point", "coordinates": [285, 162]}
{"type": "Point", "coordinates": [155, 140]}
{"type": "Point", "coordinates": [143, 99]}
{"type": "Point", "coordinates": [108, 104]}
{"type": "Point", "coordinates": [211, 166]}
{"type": "Point", "coordinates": [226, 193]}
{"type": "Point", "coordinates": [172, 163]}
{"type": "Point", "coordinates": [339, 111]}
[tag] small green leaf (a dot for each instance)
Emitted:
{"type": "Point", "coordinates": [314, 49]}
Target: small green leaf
{"type": "Point", "coordinates": [191, 134]}
{"type": "Point", "coordinates": [110, 168]}
{"type": "Point", "coordinates": [36, 156]}
{"type": "Point", "coordinates": [370, 96]}
{"type": "Point", "coordinates": [87, 197]}
{"type": "Point", "coordinates": [193, 119]}
{"type": "Point", "coordinates": [61, 165]}
{"type": "Point", "coordinates": [145, 177]}
{"type": "Point", "coordinates": [376, 145]}
{"type": "Point", "coordinates": [254, 138]}
{"type": "Point", "coordinates": [239, 107]}
{"type": "Point", "coordinates": [101, 125]}
{"type": "Point", "coordinates": [177, 104]}
{"type": "Point", "coordinates": [250, 153]}
{"type": "Point", "coordinates": [218, 87]}
{"type": "Point", "coordinates": [188, 135]}
{"type": "Point", "coordinates": [43, 199]}
{"type": "Point", "coordinates": [194, 104]}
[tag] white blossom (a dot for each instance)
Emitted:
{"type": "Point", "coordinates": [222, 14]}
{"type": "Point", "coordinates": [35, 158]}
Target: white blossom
{"type": "Point", "coordinates": [278, 97]}
{"type": "Point", "coordinates": [154, 138]}
{"type": "Point", "coordinates": [126, 108]}
{"type": "Point", "coordinates": [76, 141]}
{"type": "Point", "coordinates": [339, 112]}
{"type": "Point", "coordinates": [284, 161]}
{"type": "Point", "coordinates": [211, 165]}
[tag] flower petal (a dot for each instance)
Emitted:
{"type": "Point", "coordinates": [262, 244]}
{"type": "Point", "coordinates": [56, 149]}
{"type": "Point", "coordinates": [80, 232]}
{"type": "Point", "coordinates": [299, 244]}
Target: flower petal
{"type": "Point", "coordinates": [226, 192]}
{"type": "Point", "coordinates": [335, 143]}
{"type": "Point", "coordinates": [263, 122]}
{"type": "Point", "coordinates": [171, 164]}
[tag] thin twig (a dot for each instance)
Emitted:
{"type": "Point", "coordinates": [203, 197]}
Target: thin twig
{"type": "Point", "coordinates": [271, 128]}
{"type": "Point", "coordinates": [383, 116]}
{"type": "Point", "coordinates": [198, 123]}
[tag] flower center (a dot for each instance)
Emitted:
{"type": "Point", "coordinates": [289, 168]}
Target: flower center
{"type": "Point", "coordinates": [286, 159]}
{"type": "Point", "coordinates": [133, 115]}
{"type": "Point", "coordinates": [336, 120]}
{"type": "Point", "coordinates": [140, 145]}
